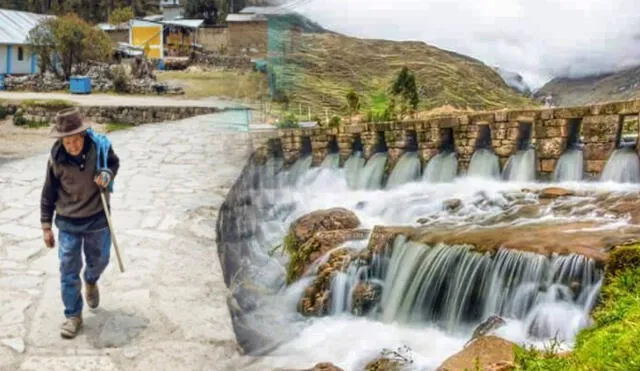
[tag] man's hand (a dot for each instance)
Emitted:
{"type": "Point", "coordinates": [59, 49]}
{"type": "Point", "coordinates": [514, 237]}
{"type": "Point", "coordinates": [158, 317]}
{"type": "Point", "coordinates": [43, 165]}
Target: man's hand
{"type": "Point", "coordinates": [49, 240]}
{"type": "Point", "coordinates": [103, 179]}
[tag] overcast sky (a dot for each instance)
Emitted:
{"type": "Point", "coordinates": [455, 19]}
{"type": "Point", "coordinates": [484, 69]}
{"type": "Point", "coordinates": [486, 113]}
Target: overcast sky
{"type": "Point", "coordinates": [539, 39]}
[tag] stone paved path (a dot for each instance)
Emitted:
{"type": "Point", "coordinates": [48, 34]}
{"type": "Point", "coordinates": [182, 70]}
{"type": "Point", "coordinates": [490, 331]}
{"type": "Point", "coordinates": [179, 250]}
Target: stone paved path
{"type": "Point", "coordinates": [168, 310]}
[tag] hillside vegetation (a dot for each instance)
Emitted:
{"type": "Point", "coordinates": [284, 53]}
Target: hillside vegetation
{"type": "Point", "coordinates": [325, 67]}
{"type": "Point", "coordinates": [618, 86]}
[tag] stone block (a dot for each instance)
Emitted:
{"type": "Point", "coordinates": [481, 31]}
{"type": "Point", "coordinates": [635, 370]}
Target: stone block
{"type": "Point", "coordinates": [600, 128]}
{"type": "Point", "coordinates": [523, 116]}
{"type": "Point", "coordinates": [595, 166]}
{"type": "Point", "coordinates": [624, 108]}
{"type": "Point", "coordinates": [444, 122]}
{"type": "Point", "coordinates": [504, 149]}
{"type": "Point", "coordinates": [499, 134]}
{"type": "Point", "coordinates": [550, 147]}
{"type": "Point", "coordinates": [548, 165]}
{"type": "Point", "coordinates": [465, 151]}
{"type": "Point", "coordinates": [598, 151]}
{"type": "Point", "coordinates": [501, 116]}
{"type": "Point", "coordinates": [546, 114]}
{"type": "Point", "coordinates": [571, 112]}
{"type": "Point", "coordinates": [552, 132]}
{"type": "Point", "coordinates": [482, 117]}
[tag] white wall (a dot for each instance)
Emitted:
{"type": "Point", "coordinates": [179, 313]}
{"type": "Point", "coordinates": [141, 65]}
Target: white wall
{"type": "Point", "coordinates": [18, 67]}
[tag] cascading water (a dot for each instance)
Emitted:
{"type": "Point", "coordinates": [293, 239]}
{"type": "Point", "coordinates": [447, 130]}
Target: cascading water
{"type": "Point", "coordinates": [332, 161]}
{"type": "Point", "coordinates": [442, 168]}
{"type": "Point", "coordinates": [456, 288]}
{"type": "Point", "coordinates": [370, 177]}
{"type": "Point", "coordinates": [406, 170]}
{"type": "Point", "coordinates": [569, 167]}
{"type": "Point", "coordinates": [352, 167]}
{"type": "Point", "coordinates": [521, 166]}
{"type": "Point", "coordinates": [485, 164]}
{"type": "Point", "coordinates": [431, 297]}
{"type": "Point", "coordinates": [623, 166]}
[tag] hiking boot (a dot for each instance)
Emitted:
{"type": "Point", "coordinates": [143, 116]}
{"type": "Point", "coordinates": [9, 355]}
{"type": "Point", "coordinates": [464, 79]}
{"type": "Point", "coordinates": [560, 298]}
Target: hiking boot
{"type": "Point", "coordinates": [70, 327]}
{"type": "Point", "coordinates": [92, 295]}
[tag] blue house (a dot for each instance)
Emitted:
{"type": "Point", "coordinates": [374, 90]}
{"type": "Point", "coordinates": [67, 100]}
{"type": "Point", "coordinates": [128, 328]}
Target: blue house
{"type": "Point", "coordinates": [15, 56]}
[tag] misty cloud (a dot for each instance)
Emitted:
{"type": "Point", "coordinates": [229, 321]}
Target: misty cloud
{"type": "Point", "coordinates": [539, 39]}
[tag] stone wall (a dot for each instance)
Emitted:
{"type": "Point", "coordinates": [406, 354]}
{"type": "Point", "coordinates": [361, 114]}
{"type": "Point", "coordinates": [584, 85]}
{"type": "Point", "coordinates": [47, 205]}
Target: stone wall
{"type": "Point", "coordinates": [248, 38]}
{"type": "Point", "coordinates": [134, 115]}
{"type": "Point", "coordinates": [548, 130]}
{"type": "Point", "coordinates": [213, 39]}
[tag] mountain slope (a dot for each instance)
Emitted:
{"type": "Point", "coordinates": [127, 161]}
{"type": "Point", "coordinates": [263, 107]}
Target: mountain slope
{"type": "Point", "coordinates": [593, 89]}
{"type": "Point", "coordinates": [324, 67]}
{"type": "Point", "coordinates": [514, 80]}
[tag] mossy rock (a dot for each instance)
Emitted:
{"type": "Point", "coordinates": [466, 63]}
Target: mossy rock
{"type": "Point", "coordinates": [621, 258]}
{"type": "Point", "coordinates": [384, 364]}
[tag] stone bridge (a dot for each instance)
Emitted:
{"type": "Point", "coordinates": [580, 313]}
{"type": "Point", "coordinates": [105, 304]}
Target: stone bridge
{"type": "Point", "coordinates": [597, 129]}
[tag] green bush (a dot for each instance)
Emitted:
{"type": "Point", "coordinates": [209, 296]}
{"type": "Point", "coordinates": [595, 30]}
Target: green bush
{"type": "Point", "coordinates": [52, 104]}
{"type": "Point", "coordinates": [3, 112]}
{"type": "Point", "coordinates": [19, 119]}
{"type": "Point", "coordinates": [335, 122]}
{"type": "Point", "coordinates": [290, 121]}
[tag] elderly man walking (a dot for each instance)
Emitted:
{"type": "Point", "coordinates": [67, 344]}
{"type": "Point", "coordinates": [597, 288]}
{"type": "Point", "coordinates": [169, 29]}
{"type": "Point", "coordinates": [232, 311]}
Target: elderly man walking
{"type": "Point", "coordinates": [74, 180]}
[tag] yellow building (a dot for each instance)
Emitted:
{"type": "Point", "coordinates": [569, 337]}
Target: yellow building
{"type": "Point", "coordinates": [148, 36]}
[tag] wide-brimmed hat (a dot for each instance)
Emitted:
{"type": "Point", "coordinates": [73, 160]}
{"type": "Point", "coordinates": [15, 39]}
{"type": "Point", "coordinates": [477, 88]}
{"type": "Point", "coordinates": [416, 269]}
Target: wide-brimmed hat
{"type": "Point", "coordinates": [68, 122]}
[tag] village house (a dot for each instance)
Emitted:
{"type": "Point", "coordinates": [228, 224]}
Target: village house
{"type": "Point", "coordinates": [15, 56]}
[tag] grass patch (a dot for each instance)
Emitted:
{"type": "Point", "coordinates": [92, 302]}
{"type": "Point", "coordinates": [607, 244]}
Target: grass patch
{"type": "Point", "coordinates": [59, 104]}
{"type": "Point", "coordinates": [37, 124]}
{"type": "Point", "coordinates": [613, 341]}
{"type": "Point", "coordinates": [117, 126]}
{"type": "Point", "coordinates": [250, 86]}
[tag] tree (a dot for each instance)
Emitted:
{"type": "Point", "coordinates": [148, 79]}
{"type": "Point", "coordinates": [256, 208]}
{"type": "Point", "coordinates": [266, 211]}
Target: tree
{"type": "Point", "coordinates": [121, 15]}
{"type": "Point", "coordinates": [353, 103]}
{"type": "Point", "coordinates": [406, 89]}
{"type": "Point", "coordinates": [70, 38]}
{"type": "Point", "coordinates": [212, 11]}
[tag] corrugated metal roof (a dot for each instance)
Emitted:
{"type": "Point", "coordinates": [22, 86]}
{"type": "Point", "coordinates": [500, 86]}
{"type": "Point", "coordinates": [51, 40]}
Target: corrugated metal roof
{"type": "Point", "coordinates": [245, 18]}
{"type": "Point", "coordinates": [274, 10]}
{"type": "Point", "coordinates": [191, 23]}
{"type": "Point", "coordinates": [15, 26]}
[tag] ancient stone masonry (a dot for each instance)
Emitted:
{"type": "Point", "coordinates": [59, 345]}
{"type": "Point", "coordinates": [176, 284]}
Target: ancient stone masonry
{"type": "Point", "coordinates": [550, 132]}
{"type": "Point", "coordinates": [134, 115]}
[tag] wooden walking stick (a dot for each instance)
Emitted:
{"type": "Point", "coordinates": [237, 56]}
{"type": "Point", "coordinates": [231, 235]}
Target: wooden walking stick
{"type": "Point", "coordinates": [113, 234]}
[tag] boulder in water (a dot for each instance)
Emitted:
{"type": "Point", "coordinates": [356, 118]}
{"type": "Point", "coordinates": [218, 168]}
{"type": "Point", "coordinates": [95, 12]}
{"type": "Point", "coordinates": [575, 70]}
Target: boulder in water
{"type": "Point", "coordinates": [365, 297]}
{"type": "Point", "coordinates": [555, 192]}
{"type": "Point", "coordinates": [484, 353]}
{"type": "Point", "coordinates": [452, 205]}
{"type": "Point", "coordinates": [323, 220]}
{"type": "Point", "coordinates": [325, 366]}
{"type": "Point", "coordinates": [490, 324]}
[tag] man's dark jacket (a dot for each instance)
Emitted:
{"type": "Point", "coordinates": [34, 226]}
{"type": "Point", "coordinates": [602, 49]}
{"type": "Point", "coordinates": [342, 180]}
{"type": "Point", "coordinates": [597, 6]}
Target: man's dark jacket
{"type": "Point", "coordinates": [69, 189]}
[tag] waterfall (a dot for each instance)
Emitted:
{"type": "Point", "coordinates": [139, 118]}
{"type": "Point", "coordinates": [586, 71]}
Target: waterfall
{"type": "Point", "coordinates": [442, 168]}
{"type": "Point", "coordinates": [623, 166]}
{"type": "Point", "coordinates": [332, 161]}
{"type": "Point", "coordinates": [484, 163]}
{"type": "Point", "coordinates": [453, 286]}
{"type": "Point", "coordinates": [569, 167]}
{"type": "Point", "coordinates": [353, 166]}
{"type": "Point", "coordinates": [521, 166]}
{"type": "Point", "coordinates": [406, 170]}
{"type": "Point", "coordinates": [298, 169]}
{"type": "Point", "coordinates": [370, 177]}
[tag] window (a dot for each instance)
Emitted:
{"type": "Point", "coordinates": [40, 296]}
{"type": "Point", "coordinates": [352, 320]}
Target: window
{"type": "Point", "coordinates": [20, 54]}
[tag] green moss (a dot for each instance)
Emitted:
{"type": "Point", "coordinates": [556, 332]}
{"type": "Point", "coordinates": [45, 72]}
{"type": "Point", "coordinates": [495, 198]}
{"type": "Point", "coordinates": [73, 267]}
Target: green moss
{"type": "Point", "coordinates": [117, 126]}
{"type": "Point", "coordinates": [613, 341]}
{"type": "Point", "coordinates": [48, 103]}
{"type": "Point", "coordinates": [292, 247]}
{"type": "Point", "coordinates": [37, 124]}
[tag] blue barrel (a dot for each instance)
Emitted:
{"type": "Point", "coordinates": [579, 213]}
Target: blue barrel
{"type": "Point", "coordinates": [2, 82]}
{"type": "Point", "coordinates": [80, 85]}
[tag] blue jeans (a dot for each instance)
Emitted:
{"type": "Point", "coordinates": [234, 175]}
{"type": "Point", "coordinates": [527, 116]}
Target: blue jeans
{"type": "Point", "coordinates": [97, 246]}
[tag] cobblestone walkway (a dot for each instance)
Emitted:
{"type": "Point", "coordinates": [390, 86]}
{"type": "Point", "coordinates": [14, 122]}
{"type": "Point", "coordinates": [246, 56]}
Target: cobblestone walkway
{"type": "Point", "coordinates": [168, 310]}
